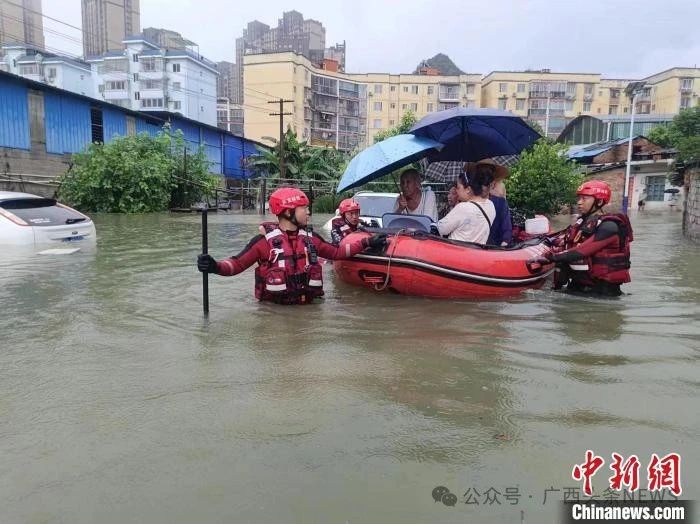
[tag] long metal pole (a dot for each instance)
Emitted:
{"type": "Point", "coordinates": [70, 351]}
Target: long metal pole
{"type": "Point", "coordinates": [625, 190]}
{"type": "Point", "coordinates": [205, 250]}
{"type": "Point", "coordinates": [281, 139]}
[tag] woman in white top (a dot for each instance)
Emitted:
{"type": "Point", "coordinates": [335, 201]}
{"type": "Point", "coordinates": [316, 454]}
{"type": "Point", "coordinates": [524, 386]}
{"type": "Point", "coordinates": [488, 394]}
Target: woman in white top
{"type": "Point", "coordinates": [470, 220]}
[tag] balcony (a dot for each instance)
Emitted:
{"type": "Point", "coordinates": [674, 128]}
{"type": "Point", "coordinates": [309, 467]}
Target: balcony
{"type": "Point", "coordinates": [448, 94]}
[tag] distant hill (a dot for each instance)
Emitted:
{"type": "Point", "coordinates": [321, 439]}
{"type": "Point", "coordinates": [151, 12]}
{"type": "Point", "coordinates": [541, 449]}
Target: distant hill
{"type": "Point", "coordinates": [443, 63]}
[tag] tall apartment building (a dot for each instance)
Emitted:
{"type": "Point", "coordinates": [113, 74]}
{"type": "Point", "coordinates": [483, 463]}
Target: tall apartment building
{"type": "Point", "coordinates": [670, 91]}
{"type": "Point", "coordinates": [229, 116]}
{"type": "Point", "coordinates": [549, 99]}
{"type": "Point", "coordinates": [293, 33]}
{"type": "Point", "coordinates": [345, 110]}
{"type": "Point", "coordinates": [41, 66]}
{"type": "Point", "coordinates": [21, 22]}
{"type": "Point", "coordinates": [226, 83]}
{"type": "Point", "coordinates": [145, 77]}
{"type": "Point", "coordinates": [106, 23]}
{"type": "Point", "coordinates": [166, 38]}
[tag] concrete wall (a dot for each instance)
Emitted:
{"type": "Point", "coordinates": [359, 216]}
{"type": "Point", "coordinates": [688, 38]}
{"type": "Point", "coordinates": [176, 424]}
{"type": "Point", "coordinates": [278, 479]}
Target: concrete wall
{"type": "Point", "coordinates": [691, 215]}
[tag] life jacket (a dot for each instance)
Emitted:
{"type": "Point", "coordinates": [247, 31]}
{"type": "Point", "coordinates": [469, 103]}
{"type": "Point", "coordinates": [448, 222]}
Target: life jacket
{"type": "Point", "coordinates": [610, 264]}
{"type": "Point", "coordinates": [341, 227]}
{"type": "Point", "coordinates": [291, 274]}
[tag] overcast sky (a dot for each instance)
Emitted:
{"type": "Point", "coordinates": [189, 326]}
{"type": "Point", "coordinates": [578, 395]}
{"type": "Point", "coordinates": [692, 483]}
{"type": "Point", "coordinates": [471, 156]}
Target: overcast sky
{"type": "Point", "coordinates": [619, 38]}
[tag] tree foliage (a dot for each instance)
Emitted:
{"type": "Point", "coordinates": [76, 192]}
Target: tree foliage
{"type": "Point", "coordinates": [543, 180]}
{"type": "Point", "coordinates": [137, 174]}
{"type": "Point", "coordinates": [408, 120]}
{"type": "Point", "coordinates": [683, 134]}
{"type": "Point", "coordinates": [301, 160]}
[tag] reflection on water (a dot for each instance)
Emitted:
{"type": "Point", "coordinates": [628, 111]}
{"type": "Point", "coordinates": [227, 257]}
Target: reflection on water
{"type": "Point", "coordinates": [119, 402]}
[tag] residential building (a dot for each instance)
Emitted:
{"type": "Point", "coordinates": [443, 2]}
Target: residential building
{"type": "Point", "coordinates": [649, 168]}
{"type": "Point", "coordinates": [586, 129]}
{"type": "Point", "coordinates": [293, 33]}
{"type": "Point", "coordinates": [167, 39]}
{"type": "Point", "coordinates": [52, 69]}
{"type": "Point", "coordinates": [549, 99]}
{"type": "Point", "coordinates": [229, 116]}
{"type": "Point", "coordinates": [145, 77]}
{"type": "Point", "coordinates": [613, 97]}
{"type": "Point", "coordinates": [340, 109]}
{"type": "Point", "coordinates": [227, 82]}
{"type": "Point", "coordinates": [21, 21]}
{"type": "Point", "coordinates": [670, 91]}
{"type": "Point", "coordinates": [106, 23]}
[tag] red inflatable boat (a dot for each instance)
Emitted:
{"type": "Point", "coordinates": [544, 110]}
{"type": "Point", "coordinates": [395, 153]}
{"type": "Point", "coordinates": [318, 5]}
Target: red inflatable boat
{"type": "Point", "coordinates": [425, 265]}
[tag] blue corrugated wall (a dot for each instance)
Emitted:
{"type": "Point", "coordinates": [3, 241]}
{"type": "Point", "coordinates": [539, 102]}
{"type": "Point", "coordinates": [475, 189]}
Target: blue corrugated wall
{"type": "Point", "coordinates": [144, 126]}
{"type": "Point", "coordinates": [114, 123]}
{"type": "Point", "coordinates": [212, 150]}
{"type": "Point", "coordinates": [68, 128]}
{"type": "Point", "coordinates": [14, 115]}
{"type": "Point", "coordinates": [190, 133]}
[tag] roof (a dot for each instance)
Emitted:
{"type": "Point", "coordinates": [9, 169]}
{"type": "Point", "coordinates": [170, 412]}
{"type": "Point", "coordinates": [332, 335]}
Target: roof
{"type": "Point", "coordinates": [155, 117]}
{"type": "Point", "coordinates": [591, 150]}
{"type": "Point", "coordinates": [151, 52]}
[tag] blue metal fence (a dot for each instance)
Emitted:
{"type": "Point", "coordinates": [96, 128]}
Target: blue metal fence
{"type": "Point", "coordinates": [14, 116]}
{"type": "Point", "coordinates": [114, 123]}
{"type": "Point", "coordinates": [68, 128]}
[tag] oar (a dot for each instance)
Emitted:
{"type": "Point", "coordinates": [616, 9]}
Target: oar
{"type": "Point", "coordinates": [205, 249]}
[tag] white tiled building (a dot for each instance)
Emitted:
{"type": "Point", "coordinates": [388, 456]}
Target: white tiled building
{"type": "Point", "coordinates": [41, 66]}
{"type": "Point", "coordinates": [145, 77]}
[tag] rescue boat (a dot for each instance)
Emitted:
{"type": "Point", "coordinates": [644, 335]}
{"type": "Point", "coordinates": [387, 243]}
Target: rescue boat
{"type": "Point", "coordinates": [422, 264]}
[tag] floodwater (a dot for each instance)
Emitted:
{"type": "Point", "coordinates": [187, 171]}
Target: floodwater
{"type": "Point", "coordinates": [120, 403]}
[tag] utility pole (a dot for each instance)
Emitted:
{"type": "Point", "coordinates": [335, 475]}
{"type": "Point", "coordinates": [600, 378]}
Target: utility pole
{"type": "Point", "coordinates": [633, 90]}
{"type": "Point", "coordinates": [546, 114]}
{"type": "Point", "coordinates": [281, 114]}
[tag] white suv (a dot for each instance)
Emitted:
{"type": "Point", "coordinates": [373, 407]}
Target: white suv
{"type": "Point", "coordinates": [27, 219]}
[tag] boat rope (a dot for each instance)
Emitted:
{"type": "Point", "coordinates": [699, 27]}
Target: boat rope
{"type": "Point", "coordinates": [388, 266]}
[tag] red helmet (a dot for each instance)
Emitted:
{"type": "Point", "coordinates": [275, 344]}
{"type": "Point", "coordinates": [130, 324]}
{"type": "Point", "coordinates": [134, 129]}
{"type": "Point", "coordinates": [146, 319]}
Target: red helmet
{"type": "Point", "coordinates": [596, 189]}
{"type": "Point", "coordinates": [287, 198]}
{"type": "Point", "coordinates": [349, 204]}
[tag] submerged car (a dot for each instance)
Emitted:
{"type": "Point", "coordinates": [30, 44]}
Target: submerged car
{"type": "Point", "coordinates": [27, 219]}
{"type": "Point", "coordinates": [372, 207]}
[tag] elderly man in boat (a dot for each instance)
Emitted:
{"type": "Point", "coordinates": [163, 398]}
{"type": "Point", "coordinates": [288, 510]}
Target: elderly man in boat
{"type": "Point", "coordinates": [413, 199]}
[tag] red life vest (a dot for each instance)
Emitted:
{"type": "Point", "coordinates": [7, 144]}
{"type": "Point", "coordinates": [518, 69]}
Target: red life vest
{"type": "Point", "coordinates": [291, 274]}
{"type": "Point", "coordinates": [340, 228]}
{"type": "Point", "coordinates": [610, 264]}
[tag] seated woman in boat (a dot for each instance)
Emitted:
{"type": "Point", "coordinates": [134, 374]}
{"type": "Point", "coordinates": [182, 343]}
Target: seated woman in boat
{"type": "Point", "coordinates": [470, 220]}
{"type": "Point", "coordinates": [413, 200]}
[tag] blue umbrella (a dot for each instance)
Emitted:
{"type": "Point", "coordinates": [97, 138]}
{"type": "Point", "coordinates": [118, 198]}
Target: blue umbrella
{"type": "Point", "coordinates": [471, 135]}
{"type": "Point", "coordinates": [384, 157]}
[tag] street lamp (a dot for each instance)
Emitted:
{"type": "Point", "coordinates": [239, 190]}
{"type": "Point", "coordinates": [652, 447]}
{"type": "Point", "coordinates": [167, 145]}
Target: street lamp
{"type": "Point", "coordinates": [633, 89]}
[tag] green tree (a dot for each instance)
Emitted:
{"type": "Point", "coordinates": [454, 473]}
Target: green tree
{"type": "Point", "coordinates": [683, 134]}
{"type": "Point", "coordinates": [543, 180]}
{"type": "Point", "coordinates": [137, 174]}
{"type": "Point", "coordinates": [408, 120]}
{"type": "Point", "coordinates": [301, 160]}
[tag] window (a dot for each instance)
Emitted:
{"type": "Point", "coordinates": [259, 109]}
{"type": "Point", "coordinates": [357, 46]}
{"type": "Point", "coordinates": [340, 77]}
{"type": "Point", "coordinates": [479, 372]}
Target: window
{"type": "Point", "coordinates": [471, 104]}
{"type": "Point", "coordinates": [152, 102]}
{"type": "Point", "coordinates": [521, 88]}
{"type": "Point", "coordinates": [392, 88]}
{"type": "Point", "coordinates": [150, 64]}
{"type": "Point", "coordinates": [201, 108]}
{"type": "Point", "coordinates": [612, 110]}
{"type": "Point", "coordinates": [502, 104]}
{"type": "Point", "coordinates": [520, 104]}
{"type": "Point", "coordinates": [137, 96]}
{"type": "Point", "coordinates": [431, 90]}
{"type": "Point", "coordinates": [96, 125]}
{"type": "Point", "coordinates": [52, 73]}
{"type": "Point", "coordinates": [391, 123]}
{"type": "Point", "coordinates": [586, 107]}
{"type": "Point", "coordinates": [377, 89]}
{"type": "Point", "coordinates": [152, 84]}
{"type": "Point", "coordinates": [588, 89]}
{"type": "Point", "coordinates": [176, 68]}
{"type": "Point", "coordinates": [600, 93]}
{"type": "Point", "coordinates": [404, 106]}
{"type": "Point", "coordinates": [655, 188]}
{"type": "Point", "coordinates": [502, 87]}
{"type": "Point", "coordinates": [414, 107]}
{"type": "Point", "coordinates": [414, 90]}
{"type": "Point", "coordinates": [29, 69]}
{"type": "Point", "coordinates": [377, 124]}
{"type": "Point", "coordinates": [685, 102]}
{"type": "Point", "coordinates": [115, 85]}
{"type": "Point", "coordinates": [405, 89]}
{"type": "Point", "coordinates": [176, 86]}
{"type": "Point", "coordinates": [430, 108]}
{"type": "Point", "coordinates": [686, 84]}
{"type": "Point", "coordinates": [101, 88]}
{"type": "Point", "coordinates": [135, 58]}
{"type": "Point", "coordinates": [377, 106]}
{"type": "Point", "coordinates": [82, 77]}
{"type": "Point", "coordinates": [136, 77]}
{"type": "Point", "coordinates": [625, 110]}
{"type": "Point", "coordinates": [470, 89]}
{"type": "Point", "coordinates": [392, 106]}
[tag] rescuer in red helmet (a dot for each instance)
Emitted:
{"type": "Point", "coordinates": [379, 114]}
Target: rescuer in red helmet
{"type": "Point", "coordinates": [287, 254]}
{"type": "Point", "coordinates": [594, 253]}
{"type": "Point", "coordinates": [348, 221]}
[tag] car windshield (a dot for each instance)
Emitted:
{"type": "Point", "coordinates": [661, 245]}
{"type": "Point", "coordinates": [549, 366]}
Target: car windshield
{"type": "Point", "coordinates": [41, 212]}
{"type": "Point", "coordinates": [375, 205]}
